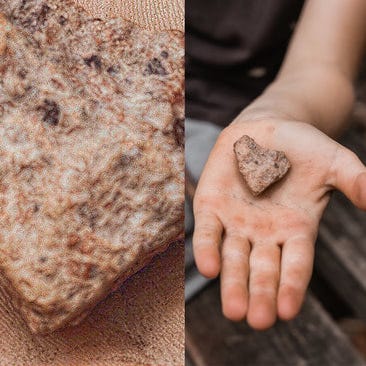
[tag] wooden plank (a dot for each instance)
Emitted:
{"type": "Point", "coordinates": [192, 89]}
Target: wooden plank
{"type": "Point", "coordinates": [311, 339]}
{"type": "Point", "coordinates": [341, 247]}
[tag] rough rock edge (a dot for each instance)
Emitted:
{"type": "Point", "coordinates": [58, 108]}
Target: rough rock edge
{"type": "Point", "coordinates": [76, 318]}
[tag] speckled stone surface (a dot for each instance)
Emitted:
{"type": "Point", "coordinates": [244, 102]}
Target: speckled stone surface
{"type": "Point", "coordinates": [259, 167]}
{"type": "Point", "coordinates": [91, 155]}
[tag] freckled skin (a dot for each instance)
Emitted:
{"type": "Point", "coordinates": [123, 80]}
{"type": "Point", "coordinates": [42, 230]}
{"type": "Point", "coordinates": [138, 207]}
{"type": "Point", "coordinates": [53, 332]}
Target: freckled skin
{"type": "Point", "coordinates": [264, 246]}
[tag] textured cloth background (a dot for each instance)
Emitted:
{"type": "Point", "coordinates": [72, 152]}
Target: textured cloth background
{"type": "Point", "coordinates": [150, 14]}
{"type": "Point", "coordinates": [143, 322]}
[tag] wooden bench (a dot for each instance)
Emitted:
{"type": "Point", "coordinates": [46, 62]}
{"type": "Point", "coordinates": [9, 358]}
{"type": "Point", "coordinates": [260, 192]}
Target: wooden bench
{"type": "Point", "coordinates": [341, 247]}
{"type": "Point", "coordinates": [312, 339]}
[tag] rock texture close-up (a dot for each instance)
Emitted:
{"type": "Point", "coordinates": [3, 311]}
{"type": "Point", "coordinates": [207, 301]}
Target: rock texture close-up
{"type": "Point", "coordinates": [91, 155]}
{"type": "Point", "coordinates": [259, 167]}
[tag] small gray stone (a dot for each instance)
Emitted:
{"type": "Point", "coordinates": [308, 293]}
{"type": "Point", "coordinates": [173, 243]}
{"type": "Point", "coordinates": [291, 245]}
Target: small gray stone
{"type": "Point", "coordinates": [260, 167]}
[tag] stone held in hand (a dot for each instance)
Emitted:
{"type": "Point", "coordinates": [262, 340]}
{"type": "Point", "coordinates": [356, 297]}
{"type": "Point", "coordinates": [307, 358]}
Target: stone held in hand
{"type": "Point", "coordinates": [260, 167]}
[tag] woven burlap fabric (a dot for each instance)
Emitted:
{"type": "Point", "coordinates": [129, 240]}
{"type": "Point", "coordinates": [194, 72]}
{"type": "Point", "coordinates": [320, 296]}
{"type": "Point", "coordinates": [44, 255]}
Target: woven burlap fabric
{"type": "Point", "coordinates": [150, 14]}
{"type": "Point", "coordinates": [143, 322]}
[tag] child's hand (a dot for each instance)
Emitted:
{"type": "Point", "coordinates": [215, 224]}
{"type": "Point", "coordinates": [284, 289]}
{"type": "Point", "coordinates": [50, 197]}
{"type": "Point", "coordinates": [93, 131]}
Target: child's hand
{"type": "Point", "coordinates": [264, 246]}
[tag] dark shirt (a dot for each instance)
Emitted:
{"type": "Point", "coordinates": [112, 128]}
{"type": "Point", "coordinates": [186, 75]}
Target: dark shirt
{"type": "Point", "coordinates": [234, 49]}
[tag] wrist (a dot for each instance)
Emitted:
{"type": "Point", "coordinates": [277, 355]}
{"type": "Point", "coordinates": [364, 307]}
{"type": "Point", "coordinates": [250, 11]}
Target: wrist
{"type": "Point", "coordinates": [323, 98]}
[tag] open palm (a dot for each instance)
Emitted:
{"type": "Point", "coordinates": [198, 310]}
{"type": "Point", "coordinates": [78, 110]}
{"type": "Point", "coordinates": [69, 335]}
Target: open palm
{"type": "Point", "coordinates": [264, 246]}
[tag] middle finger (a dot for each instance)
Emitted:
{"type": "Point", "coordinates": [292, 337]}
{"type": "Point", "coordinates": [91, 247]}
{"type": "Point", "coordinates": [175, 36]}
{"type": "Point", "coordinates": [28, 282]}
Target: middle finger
{"type": "Point", "coordinates": [263, 284]}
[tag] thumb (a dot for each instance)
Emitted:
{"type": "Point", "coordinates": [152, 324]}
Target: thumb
{"type": "Point", "coordinates": [349, 176]}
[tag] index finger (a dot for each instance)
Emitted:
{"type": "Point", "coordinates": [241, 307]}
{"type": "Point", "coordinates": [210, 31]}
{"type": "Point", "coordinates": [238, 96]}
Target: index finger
{"type": "Point", "coordinates": [207, 237]}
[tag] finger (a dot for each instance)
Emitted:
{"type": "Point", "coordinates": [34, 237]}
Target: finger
{"type": "Point", "coordinates": [263, 284]}
{"type": "Point", "coordinates": [296, 268]}
{"type": "Point", "coordinates": [206, 241]}
{"type": "Point", "coordinates": [350, 177]}
{"type": "Point", "coordinates": [234, 276]}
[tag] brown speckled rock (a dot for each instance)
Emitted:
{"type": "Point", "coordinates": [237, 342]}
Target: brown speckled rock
{"type": "Point", "coordinates": [260, 167]}
{"type": "Point", "coordinates": [91, 155]}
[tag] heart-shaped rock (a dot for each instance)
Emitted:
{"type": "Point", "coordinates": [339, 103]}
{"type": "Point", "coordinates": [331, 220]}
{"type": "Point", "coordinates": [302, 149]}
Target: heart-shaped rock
{"type": "Point", "coordinates": [259, 166]}
{"type": "Point", "coordinates": [91, 155]}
